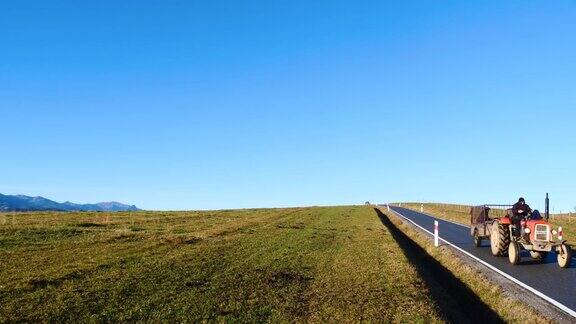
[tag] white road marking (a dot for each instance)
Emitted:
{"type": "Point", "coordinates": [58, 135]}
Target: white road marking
{"type": "Point", "coordinates": [504, 274]}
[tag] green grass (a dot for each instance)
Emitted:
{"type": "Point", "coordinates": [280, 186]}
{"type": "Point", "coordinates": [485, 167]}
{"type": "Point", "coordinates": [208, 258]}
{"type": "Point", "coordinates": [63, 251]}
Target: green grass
{"type": "Point", "coordinates": [299, 264]}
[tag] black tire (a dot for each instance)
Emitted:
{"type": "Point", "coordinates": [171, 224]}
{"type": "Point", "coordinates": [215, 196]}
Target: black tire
{"type": "Point", "coordinates": [538, 255]}
{"type": "Point", "coordinates": [477, 239]}
{"type": "Point", "coordinates": [514, 253]}
{"type": "Point", "coordinates": [564, 256]}
{"type": "Point", "coordinates": [499, 239]}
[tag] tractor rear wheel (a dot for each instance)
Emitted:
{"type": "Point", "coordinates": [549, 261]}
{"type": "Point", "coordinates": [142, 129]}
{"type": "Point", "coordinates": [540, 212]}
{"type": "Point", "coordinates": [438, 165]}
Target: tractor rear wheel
{"type": "Point", "coordinates": [538, 255]}
{"type": "Point", "coordinates": [514, 253]}
{"type": "Point", "coordinates": [564, 256]}
{"type": "Point", "coordinates": [499, 239]}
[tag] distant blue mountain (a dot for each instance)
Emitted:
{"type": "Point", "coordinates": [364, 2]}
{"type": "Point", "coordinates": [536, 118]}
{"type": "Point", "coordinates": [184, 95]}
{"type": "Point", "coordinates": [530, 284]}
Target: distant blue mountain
{"type": "Point", "coordinates": [26, 203]}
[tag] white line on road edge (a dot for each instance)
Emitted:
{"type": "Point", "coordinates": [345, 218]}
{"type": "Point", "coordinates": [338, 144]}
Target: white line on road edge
{"type": "Point", "coordinates": [504, 274]}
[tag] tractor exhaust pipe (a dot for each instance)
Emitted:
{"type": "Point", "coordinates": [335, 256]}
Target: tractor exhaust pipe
{"type": "Point", "coordinates": [547, 207]}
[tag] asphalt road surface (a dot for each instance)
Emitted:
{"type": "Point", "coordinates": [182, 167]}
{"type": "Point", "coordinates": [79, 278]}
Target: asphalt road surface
{"type": "Point", "coordinates": [546, 277]}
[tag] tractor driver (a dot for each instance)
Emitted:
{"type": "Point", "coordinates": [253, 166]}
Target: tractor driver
{"type": "Point", "coordinates": [519, 211]}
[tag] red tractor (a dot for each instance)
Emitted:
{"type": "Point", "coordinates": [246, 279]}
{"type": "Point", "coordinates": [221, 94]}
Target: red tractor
{"type": "Point", "coordinates": [536, 235]}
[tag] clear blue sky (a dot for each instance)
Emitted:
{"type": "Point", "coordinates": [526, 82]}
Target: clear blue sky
{"type": "Point", "coordinates": [225, 104]}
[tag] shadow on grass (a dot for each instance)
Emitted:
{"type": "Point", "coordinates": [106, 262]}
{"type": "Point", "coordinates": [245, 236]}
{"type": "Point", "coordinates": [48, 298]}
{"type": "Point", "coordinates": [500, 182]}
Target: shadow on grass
{"type": "Point", "coordinates": [455, 301]}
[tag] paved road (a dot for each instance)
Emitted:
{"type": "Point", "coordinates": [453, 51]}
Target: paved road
{"type": "Point", "coordinates": [546, 277]}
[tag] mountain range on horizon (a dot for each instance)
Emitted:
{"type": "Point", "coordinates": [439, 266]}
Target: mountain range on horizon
{"type": "Point", "coordinates": [27, 203]}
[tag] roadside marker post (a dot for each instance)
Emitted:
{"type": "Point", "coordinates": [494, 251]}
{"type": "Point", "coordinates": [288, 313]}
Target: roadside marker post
{"type": "Point", "coordinates": [560, 233]}
{"type": "Point", "coordinates": [388, 206]}
{"type": "Point", "coordinates": [436, 233]}
{"type": "Point", "coordinates": [421, 208]}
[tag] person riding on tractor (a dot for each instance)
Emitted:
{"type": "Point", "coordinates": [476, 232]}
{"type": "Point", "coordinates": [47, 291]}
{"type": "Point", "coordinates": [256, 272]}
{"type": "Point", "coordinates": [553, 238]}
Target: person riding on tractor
{"type": "Point", "coordinates": [520, 211]}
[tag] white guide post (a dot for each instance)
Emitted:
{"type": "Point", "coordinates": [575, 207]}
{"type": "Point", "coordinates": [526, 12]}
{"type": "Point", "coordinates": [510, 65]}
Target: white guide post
{"type": "Point", "coordinates": [421, 208]}
{"type": "Point", "coordinates": [436, 233]}
{"type": "Point", "coordinates": [388, 206]}
{"type": "Point", "coordinates": [560, 233]}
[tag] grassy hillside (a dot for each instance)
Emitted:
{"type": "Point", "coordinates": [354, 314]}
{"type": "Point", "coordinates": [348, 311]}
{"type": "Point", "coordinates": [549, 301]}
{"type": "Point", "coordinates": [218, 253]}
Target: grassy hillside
{"type": "Point", "coordinates": [302, 264]}
{"type": "Point", "coordinates": [461, 214]}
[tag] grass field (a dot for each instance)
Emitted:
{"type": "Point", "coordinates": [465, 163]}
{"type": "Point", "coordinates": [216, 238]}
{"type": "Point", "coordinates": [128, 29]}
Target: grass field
{"type": "Point", "coordinates": [337, 264]}
{"type": "Point", "coordinates": [301, 264]}
{"type": "Point", "coordinates": [461, 214]}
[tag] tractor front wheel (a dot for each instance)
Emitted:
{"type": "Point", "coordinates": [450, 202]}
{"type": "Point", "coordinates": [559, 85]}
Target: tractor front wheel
{"type": "Point", "coordinates": [564, 255]}
{"type": "Point", "coordinates": [514, 253]}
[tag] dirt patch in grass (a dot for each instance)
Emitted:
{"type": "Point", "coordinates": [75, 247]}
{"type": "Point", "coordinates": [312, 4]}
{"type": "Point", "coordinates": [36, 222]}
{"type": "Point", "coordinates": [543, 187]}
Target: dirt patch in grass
{"type": "Point", "coordinates": [181, 239]}
{"type": "Point", "coordinates": [122, 236]}
{"type": "Point", "coordinates": [196, 283]}
{"type": "Point", "coordinates": [43, 283]}
{"type": "Point", "coordinates": [90, 224]}
{"type": "Point", "coordinates": [40, 283]}
{"type": "Point", "coordinates": [286, 277]}
{"type": "Point", "coordinates": [297, 284]}
{"type": "Point", "coordinates": [299, 225]}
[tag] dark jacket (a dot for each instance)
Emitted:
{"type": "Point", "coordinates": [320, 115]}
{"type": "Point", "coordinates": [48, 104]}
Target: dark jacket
{"type": "Point", "coordinates": [520, 209]}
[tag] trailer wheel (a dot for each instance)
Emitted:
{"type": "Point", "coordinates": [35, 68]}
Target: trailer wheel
{"type": "Point", "coordinates": [538, 255]}
{"type": "Point", "coordinates": [564, 256]}
{"type": "Point", "coordinates": [514, 253]}
{"type": "Point", "coordinates": [499, 239]}
{"type": "Point", "coordinates": [477, 239]}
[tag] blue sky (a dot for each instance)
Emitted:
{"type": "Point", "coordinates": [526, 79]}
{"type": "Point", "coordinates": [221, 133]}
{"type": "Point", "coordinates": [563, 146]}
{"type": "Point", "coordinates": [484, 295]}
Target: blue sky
{"type": "Point", "coordinates": [230, 104]}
